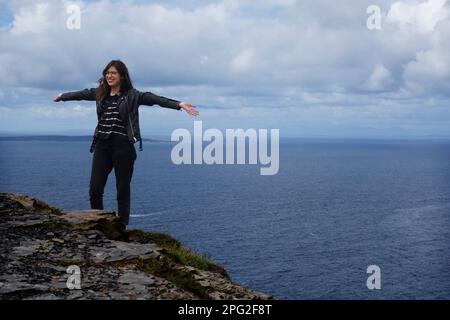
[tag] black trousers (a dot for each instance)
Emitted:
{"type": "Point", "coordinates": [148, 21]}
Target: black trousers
{"type": "Point", "coordinates": [118, 153]}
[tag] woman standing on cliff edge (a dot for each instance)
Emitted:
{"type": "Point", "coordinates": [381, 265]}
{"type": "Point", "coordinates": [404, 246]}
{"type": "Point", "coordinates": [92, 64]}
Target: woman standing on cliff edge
{"type": "Point", "coordinates": [117, 131]}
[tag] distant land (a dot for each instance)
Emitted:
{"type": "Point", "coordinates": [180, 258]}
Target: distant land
{"type": "Point", "coordinates": [4, 136]}
{"type": "Point", "coordinates": [59, 138]}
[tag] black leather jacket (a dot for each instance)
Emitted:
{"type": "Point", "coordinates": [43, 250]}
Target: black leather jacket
{"type": "Point", "coordinates": [128, 104]}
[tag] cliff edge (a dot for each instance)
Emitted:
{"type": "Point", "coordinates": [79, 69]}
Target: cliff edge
{"type": "Point", "coordinates": [47, 253]}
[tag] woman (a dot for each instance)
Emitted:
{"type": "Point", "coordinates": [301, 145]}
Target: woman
{"type": "Point", "coordinates": [117, 131]}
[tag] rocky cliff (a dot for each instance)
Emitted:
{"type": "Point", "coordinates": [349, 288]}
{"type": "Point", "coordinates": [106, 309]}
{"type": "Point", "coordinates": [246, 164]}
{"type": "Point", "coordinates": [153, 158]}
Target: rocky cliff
{"type": "Point", "coordinates": [48, 253]}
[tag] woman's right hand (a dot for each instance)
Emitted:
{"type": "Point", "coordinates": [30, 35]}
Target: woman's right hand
{"type": "Point", "coordinates": [57, 98]}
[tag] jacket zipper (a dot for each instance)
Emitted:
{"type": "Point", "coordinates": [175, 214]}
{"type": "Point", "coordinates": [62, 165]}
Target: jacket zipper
{"type": "Point", "coordinates": [129, 120]}
{"type": "Point", "coordinates": [131, 127]}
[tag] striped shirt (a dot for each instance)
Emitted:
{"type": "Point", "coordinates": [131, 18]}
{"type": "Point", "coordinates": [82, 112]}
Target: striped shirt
{"type": "Point", "coordinates": [110, 122]}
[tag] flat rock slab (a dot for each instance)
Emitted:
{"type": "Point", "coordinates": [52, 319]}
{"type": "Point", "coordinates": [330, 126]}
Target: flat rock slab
{"type": "Point", "coordinates": [117, 251]}
{"type": "Point", "coordinates": [87, 216]}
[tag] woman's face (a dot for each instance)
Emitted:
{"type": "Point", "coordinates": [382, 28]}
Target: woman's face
{"type": "Point", "coordinates": [112, 77]}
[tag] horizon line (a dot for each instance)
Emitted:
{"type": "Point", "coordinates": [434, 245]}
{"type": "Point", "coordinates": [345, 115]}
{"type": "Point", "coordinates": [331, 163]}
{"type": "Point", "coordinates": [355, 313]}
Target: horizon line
{"type": "Point", "coordinates": [411, 137]}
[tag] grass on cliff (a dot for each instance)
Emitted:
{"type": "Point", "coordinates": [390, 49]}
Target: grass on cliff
{"type": "Point", "coordinates": [166, 269]}
{"type": "Point", "coordinates": [188, 257]}
{"type": "Point", "coordinates": [173, 249]}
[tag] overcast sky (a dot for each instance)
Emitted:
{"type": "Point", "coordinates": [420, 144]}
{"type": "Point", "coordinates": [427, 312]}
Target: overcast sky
{"type": "Point", "coordinates": [309, 68]}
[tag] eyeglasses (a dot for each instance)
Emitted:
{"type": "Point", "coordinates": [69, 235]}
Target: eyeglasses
{"type": "Point", "coordinates": [113, 73]}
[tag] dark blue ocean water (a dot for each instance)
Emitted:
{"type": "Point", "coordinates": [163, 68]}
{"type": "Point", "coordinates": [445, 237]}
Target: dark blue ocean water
{"type": "Point", "coordinates": [309, 232]}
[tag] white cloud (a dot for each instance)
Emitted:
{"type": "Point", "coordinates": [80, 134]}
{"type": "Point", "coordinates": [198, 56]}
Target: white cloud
{"type": "Point", "coordinates": [244, 61]}
{"type": "Point", "coordinates": [419, 16]}
{"type": "Point", "coordinates": [31, 19]}
{"type": "Point", "coordinates": [380, 78]}
{"type": "Point", "coordinates": [428, 73]}
{"type": "Point", "coordinates": [430, 63]}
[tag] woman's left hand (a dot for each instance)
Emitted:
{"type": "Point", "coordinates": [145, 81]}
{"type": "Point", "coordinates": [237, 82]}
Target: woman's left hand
{"type": "Point", "coordinates": [189, 108]}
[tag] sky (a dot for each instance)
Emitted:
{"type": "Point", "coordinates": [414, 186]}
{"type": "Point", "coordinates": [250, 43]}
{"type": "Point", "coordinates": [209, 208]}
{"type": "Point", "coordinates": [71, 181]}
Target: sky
{"type": "Point", "coordinates": [307, 68]}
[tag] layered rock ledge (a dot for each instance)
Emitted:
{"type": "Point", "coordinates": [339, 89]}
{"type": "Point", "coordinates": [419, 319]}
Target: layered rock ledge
{"type": "Point", "coordinates": [40, 246]}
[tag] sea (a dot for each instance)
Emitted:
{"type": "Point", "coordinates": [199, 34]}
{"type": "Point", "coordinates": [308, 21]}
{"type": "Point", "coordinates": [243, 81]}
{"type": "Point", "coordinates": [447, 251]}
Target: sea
{"type": "Point", "coordinates": [342, 218]}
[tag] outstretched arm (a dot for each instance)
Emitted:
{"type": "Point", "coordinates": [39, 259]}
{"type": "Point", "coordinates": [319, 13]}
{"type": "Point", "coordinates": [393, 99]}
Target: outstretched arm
{"type": "Point", "coordinates": [85, 94]}
{"type": "Point", "coordinates": [150, 99]}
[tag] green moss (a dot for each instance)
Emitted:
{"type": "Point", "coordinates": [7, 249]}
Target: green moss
{"type": "Point", "coordinates": [161, 239]}
{"type": "Point", "coordinates": [187, 283]}
{"type": "Point", "coordinates": [173, 249]}
{"type": "Point", "coordinates": [188, 257]}
{"type": "Point", "coordinates": [166, 269]}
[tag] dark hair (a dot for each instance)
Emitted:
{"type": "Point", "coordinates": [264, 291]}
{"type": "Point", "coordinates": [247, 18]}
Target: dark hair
{"type": "Point", "coordinates": [125, 83]}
